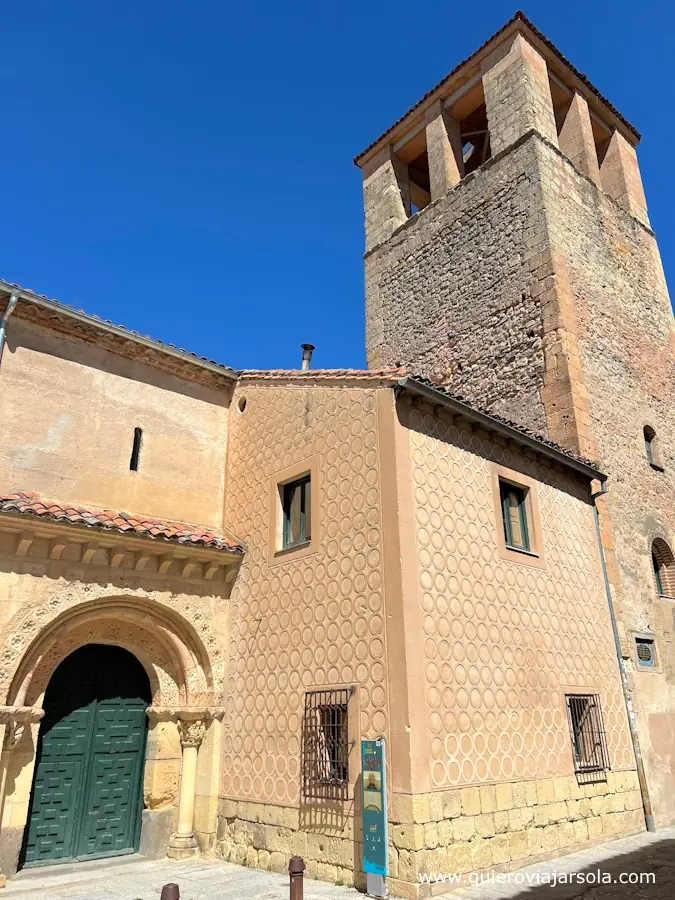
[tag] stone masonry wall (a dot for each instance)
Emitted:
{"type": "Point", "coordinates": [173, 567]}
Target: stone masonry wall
{"type": "Point", "coordinates": [505, 826]}
{"type": "Point", "coordinates": [627, 351]}
{"type": "Point", "coordinates": [462, 290]}
{"type": "Point", "coordinates": [496, 827]}
{"type": "Point", "coordinates": [450, 294]}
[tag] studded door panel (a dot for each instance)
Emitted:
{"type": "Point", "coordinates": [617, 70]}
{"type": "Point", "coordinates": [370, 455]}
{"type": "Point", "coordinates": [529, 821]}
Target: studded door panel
{"type": "Point", "coordinates": [87, 791]}
{"type": "Point", "coordinates": [112, 799]}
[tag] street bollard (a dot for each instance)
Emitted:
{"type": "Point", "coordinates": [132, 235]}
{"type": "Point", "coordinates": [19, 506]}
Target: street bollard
{"type": "Point", "coordinates": [170, 892]}
{"type": "Point", "coordinates": [296, 869]}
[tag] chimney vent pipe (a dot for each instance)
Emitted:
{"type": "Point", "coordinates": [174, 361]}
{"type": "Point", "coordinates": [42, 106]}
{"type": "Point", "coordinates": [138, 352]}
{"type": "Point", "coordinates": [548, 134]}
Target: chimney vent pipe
{"type": "Point", "coordinates": [307, 350]}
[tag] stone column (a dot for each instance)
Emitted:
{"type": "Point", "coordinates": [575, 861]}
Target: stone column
{"type": "Point", "coordinates": [621, 179]}
{"type": "Point", "coordinates": [183, 842]}
{"type": "Point", "coordinates": [444, 149]}
{"type": "Point", "coordinates": [517, 94]}
{"type": "Point", "coordinates": [577, 141]}
{"type": "Point", "coordinates": [13, 721]}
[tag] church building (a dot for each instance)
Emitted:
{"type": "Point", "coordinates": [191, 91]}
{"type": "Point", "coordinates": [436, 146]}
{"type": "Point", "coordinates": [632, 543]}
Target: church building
{"type": "Point", "coordinates": [214, 584]}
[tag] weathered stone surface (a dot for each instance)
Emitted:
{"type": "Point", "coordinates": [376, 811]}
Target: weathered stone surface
{"type": "Point", "coordinates": [156, 828]}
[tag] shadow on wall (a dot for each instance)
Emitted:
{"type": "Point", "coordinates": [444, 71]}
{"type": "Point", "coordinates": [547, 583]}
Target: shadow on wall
{"type": "Point", "coordinates": [98, 357]}
{"type": "Point", "coordinates": [462, 436]}
{"type": "Point", "coordinates": [12, 766]}
{"type": "Point", "coordinates": [338, 819]}
{"type": "Point", "coordinates": [644, 874]}
{"type": "Point", "coordinates": [122, 579]}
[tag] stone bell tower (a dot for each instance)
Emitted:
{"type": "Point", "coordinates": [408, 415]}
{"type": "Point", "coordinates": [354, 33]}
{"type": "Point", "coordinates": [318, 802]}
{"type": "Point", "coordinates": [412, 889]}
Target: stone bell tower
{"type": "Point", "coordinates": [509, 255]}
{"type": "Point", "coordinates": [482, 205]}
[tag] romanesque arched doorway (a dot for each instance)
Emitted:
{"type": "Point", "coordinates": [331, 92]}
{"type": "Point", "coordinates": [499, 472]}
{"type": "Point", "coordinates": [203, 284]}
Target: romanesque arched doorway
{"type": "Point", "coordinates": [87, 793]}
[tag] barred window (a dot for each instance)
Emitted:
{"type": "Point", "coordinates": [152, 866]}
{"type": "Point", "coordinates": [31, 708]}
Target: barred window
{"type": "Point", "coordinates": [589, 743]}
{"type": "Point", "coordinates": [325, 744]}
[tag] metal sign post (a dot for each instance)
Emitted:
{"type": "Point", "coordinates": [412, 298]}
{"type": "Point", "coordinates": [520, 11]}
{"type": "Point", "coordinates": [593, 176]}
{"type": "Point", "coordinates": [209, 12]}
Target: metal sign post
{"type": "Point", "coordinates": [374, 813]}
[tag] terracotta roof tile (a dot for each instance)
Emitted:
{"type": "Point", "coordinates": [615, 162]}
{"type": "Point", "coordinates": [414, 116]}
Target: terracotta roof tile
{"type": "Point", "coordinates": [514, 426]}
{"type": "Point", "coordinates": [32, 504]}
{"type": "Point", "coordinates": [390, 374]}
{"type": "Point", "coordinates": [8, 286]}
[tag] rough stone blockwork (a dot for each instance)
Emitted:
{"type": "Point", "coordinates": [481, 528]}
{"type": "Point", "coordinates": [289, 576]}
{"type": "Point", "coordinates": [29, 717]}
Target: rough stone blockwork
{"type": "Point", "coordinates": [454, 831]}
{"type": "Point", "coordinates": [451, 295]}
{"type": "Point", "coordinates": [626, 350]}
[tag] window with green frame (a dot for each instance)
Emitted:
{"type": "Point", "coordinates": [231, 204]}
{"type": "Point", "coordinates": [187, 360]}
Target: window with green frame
{"type": "Point", "coordinates": [514, 516]}
{"type": "Point", "coordinates": [296, 501]}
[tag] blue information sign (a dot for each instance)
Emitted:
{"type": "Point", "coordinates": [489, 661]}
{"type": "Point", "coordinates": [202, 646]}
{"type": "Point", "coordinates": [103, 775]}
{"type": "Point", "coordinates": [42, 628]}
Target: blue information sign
{"type": "Point", "coordinates": [374, 794]}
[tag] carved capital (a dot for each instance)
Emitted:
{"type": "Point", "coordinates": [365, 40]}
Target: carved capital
{"type": "Point", "coordinates": [191, 733]}
{"type": "Point", "coordinates": [15, 719]}
{"type": "Point", "coordinates": [13, 734]}
{"type": "Point", "coordinates": [186, 713]}
{"type": "Point", "coordinates": [22, 714]}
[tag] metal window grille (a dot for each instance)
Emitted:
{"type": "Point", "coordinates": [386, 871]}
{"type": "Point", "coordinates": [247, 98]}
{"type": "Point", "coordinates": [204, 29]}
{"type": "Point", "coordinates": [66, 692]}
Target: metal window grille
{"type": "Point", "coordinates": [589, 742]}
{"type": "Point", "coordinates": [325, 745]}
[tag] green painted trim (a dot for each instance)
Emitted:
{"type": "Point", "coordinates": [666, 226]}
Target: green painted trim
{"type": "Point", "coordinates": [506, 488]}
{"type": "Point", "coordinates": [288, 492]}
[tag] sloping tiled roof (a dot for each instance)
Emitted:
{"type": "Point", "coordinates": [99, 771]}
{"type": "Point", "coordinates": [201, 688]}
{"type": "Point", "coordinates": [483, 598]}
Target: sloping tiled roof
{"type": "Point", "coordinates": [404, 377]}
{"type": "Point", "coordinates": [32, 504]}
{"type": "Point", "coordinates": [325, 374]}
{"type": "Point", "coordinates": [130, 334]}
{"type": "Point", "coordinates": [508, 423]}
{"type": "Point", "coordinates": [518, 17]}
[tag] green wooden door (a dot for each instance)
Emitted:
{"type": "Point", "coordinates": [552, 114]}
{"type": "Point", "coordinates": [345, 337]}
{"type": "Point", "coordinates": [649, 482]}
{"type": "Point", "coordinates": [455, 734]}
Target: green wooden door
{"type": "Point", "coordinates": [88, 785]}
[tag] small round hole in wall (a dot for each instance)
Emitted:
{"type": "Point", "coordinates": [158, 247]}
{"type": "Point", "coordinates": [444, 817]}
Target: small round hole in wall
{"type": "Point", "coordinates": [241, 404]}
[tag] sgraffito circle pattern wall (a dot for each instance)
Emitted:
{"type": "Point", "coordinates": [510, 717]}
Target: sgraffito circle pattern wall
{"type": "Point", "coordinates": [501, 640]}
{"type": "Point", "coordinates": [313, 621]}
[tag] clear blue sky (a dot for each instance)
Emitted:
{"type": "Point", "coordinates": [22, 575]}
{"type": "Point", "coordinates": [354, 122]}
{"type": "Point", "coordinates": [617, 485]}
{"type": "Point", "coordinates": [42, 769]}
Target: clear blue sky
{"type": "Point", "coordinates": [185, 168]}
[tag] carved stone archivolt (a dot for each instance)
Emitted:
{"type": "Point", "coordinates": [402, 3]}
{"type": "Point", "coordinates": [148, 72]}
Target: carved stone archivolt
{"type": "Point", "coordinates": [172, 635]}
{"type": "Point", "coordinates": [178, 648]}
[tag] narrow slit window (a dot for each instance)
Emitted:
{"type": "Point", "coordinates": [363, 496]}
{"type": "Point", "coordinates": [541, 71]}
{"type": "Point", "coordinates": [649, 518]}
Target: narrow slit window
{"type": "Point", "coordinates": [514, 516]}
{"type": "Point", "coordinates": [652, 449]}
{"type": "Point", "coordinates": [657, 574]}
{"type": "Point", "coordinates": [297, 512]}
{"type": "Point", "coordinates": [136, 450]}
{"type": "Point", "coordinates": [649, 436]}
{"type": "Point", "coordinates": [589, 743]}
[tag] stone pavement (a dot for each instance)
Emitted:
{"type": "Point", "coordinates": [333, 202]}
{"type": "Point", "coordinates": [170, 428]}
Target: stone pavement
{"type": "Point", "coordinates": [135, 878]}
{"type": "Point", "coordinates": [649, 854]}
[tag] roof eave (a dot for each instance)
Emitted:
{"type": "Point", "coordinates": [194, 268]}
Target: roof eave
{"type": "Point", "coordinates": [521, 23]}
{"type": "Point", "coordinates": [492, 424]}
{"type": "Point", "coordinates": [122, 333]}
{"type": "Point", "coordinates": [50, 524]}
